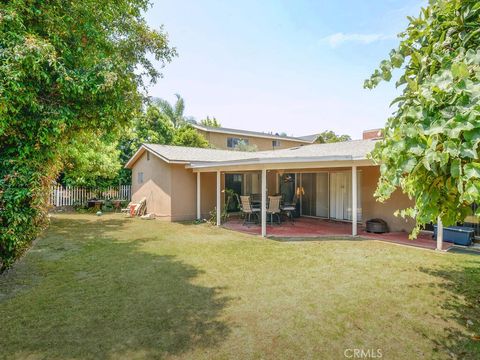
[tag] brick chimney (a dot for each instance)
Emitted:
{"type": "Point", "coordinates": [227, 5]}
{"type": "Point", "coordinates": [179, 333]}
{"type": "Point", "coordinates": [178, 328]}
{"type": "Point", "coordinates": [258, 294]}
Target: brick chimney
{"type": "Point", "coordinates": [372, 134]}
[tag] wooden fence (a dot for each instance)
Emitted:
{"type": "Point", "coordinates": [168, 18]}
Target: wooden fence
{"type": "Point", "coordinates": [69, 196]}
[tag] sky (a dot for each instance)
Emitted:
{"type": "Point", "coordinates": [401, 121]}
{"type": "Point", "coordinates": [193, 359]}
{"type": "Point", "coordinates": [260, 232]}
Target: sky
{"type": "Point", "coordinates": [281, 66]}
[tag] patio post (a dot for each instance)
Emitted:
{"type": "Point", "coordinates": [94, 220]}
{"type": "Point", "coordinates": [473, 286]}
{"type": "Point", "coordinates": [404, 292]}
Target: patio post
{"type": "Point", "coordinates": [219, 209]}
{"type": "Point", "coordinates": [264, 202]}
{"type": "Point", "coordinates": [199, 215]}
{"type": "Point", "coordinates": [354, 200]}
{"type": "Point", "coordinates": [439, 234]}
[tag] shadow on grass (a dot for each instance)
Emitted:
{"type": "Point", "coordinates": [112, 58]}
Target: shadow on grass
{"type": "Point", "coordinates": [103, 296]}
{"type": "Point", "coordinates": [463, 283]}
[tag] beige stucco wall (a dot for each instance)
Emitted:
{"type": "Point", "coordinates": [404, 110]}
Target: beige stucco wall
{"type": "Point", "coordinates": [385, 211]}
{"type": "Point", "coordinates": [219, 141]}
{"type": "Point", "coordinates": [184, 193]}
{"type": "Point", "coordinates": [208, 182]}
{"type": "Point", "coordinates": [156, 186]}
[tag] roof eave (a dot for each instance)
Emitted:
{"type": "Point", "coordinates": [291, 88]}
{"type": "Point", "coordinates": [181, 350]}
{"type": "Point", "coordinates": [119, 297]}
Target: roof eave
{"type": "Point", "coordinates": [266, 161]}
{"type": "Point", "coordinates": [266, 136]}
{"type": "Point", "coordinates": [144, 148]}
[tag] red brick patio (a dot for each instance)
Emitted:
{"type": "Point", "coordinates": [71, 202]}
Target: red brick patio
{"type": "Point", "coordinates": [309, 228]}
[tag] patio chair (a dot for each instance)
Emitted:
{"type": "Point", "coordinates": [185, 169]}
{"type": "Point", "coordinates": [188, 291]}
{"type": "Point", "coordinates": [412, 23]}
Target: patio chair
{"type": "Point", "coordinates": [273, 208]}
{"type": "Point", "coordinates": [136, 209]}
{"type": "Point", "coordinates": [289, 209]}
{"type": "Point", "coordinates": [127, 209]}
{"type": "Point", "coordinates": [141, 208]}
{"type": "Point", "coordinates": [248, 210]}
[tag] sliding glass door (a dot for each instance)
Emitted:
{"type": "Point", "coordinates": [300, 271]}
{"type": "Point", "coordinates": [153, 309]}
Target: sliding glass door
{"type": "Point", "coordinates": [314, 190]}
{"type": "Point", "coordinates": [329, 194]}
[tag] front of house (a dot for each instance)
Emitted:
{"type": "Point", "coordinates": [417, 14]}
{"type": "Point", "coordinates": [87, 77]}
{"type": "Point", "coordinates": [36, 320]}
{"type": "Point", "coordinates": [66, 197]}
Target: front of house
{"type": "Point", "coordinates": [327, 180]}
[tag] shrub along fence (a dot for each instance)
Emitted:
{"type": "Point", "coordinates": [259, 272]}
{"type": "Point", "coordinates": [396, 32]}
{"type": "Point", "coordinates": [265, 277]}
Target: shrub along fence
{"type": "Point", "coordinates": [75, 196]}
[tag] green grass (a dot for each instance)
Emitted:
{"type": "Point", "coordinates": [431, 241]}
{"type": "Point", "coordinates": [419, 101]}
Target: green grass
{"type": "Point", "coordinates": [109, 287]}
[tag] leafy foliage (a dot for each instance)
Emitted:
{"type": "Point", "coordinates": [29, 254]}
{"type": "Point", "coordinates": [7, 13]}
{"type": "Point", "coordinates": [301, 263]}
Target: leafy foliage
{"type": "Point", "coordinates": [173, 112]}
{"type": "Point", "coordinates": [431, 142]}
{"type": "Point", "coordinates": [329, 136]}
{"type": "Point", "coordinates": [68, 69]}
{"type": "Point", "coordinates": [91, 160]}
{"type": "Point", "coordinates": [188, 136]}
{"type": "Point", "coordinates": [212, 122]}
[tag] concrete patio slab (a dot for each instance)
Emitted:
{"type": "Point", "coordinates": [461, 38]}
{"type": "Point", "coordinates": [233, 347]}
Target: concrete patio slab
{"type": "Point", "coordinates": [311, 229]}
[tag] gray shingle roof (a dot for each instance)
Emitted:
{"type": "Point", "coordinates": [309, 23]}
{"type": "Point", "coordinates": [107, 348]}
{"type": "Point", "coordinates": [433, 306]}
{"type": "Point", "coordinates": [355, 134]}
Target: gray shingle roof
{"type": "Point", "coordinates": [309, 138]}
{"type": "Point", "coordinates": [357, 149]}
{"type": "Point", "coordinates": [354, 149]}
{"type": "Point", "coordinates": [191, 154]}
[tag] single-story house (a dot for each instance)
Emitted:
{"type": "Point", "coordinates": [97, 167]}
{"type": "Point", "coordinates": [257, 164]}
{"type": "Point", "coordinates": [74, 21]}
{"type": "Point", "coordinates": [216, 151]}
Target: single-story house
{"type": "Point", "coordinates": [328, 180]}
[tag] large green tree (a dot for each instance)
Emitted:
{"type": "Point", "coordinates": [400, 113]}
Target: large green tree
{"type": "Point", "coordinates": [328, 136]}
{"type": "Point", "coordinates": [67, 69]}
{"type": "Point", "coordinates": [431, 143]}
{"type": "Point", "coordinates": [188, 136]}
{"type": "Point", "coordinates": [91, 160]}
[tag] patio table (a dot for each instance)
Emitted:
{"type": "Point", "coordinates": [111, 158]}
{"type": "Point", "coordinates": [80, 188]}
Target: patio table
{"type": "Point", "coordinates": [97, 204]}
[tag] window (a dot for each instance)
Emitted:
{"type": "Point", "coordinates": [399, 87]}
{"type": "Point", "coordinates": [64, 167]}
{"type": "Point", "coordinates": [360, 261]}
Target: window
{"type": "Point", "coordinates": [140, 177]}
{"type": "Point", "coordinates": [275, 143]}
{"type": "Point", "coordinates": [232, 142]}
{"type": "Point", "coordinates": [148, 155]}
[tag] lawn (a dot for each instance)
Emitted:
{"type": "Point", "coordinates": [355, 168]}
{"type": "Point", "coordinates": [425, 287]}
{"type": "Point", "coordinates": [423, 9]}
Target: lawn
{"type": "Point", "coordinates": [110, 287]}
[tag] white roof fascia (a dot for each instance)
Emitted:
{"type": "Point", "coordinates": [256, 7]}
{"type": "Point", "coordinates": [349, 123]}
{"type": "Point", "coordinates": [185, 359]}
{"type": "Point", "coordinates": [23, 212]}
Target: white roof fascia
{"type": "Point", "coordinates": [256, 161]}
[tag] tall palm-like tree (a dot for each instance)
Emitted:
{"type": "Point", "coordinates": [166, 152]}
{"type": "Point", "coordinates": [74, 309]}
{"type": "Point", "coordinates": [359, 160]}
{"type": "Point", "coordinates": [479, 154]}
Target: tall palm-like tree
{"type": "Point", "coordinates": [173, 112]}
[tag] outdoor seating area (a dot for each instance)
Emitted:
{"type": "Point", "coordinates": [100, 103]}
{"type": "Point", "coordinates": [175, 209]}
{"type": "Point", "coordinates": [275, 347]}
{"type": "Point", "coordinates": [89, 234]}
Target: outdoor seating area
{"type": "Point", "coordinates": [277, 210]}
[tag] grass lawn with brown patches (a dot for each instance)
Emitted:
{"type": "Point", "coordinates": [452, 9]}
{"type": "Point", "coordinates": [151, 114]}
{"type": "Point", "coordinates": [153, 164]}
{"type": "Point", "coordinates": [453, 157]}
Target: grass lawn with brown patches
{"type": "Point", "coordinates": [110, 287]}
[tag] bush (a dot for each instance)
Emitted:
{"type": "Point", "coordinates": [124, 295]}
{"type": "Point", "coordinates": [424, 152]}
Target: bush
{"type": "Point", "coordinates": [68, 70]}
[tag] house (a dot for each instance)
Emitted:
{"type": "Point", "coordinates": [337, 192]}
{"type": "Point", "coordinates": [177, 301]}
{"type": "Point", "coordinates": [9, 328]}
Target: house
{"type": "Point", "coordinates": [228, 139]}
{"type": "Point", "coordinates": [329, 180]}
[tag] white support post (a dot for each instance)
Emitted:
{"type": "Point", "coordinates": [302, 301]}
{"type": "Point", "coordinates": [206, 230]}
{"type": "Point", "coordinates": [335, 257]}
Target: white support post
{"type": "Point", "coordinates": [439, 234]}
{"type": "Point", "coordinates": [354, 200]}
{"type": "Point", "coordinates": [264, 202]}
{"type": "Point", "coordinates": [219, 196]}
{"type": "Point", "coordinates": [199, 215]}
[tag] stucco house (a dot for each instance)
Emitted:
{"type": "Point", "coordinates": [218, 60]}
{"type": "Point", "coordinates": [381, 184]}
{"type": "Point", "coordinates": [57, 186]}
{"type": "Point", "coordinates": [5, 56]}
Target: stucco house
{"type": "Point", "coordinates": [329, 180]}
{"type": "Point", "coordinates": [227, 139]}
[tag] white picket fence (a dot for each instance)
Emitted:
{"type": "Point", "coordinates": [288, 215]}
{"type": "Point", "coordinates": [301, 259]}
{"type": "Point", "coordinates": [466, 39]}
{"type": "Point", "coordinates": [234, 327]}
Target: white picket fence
{"type": "Point", "coordinates": [69, 196]}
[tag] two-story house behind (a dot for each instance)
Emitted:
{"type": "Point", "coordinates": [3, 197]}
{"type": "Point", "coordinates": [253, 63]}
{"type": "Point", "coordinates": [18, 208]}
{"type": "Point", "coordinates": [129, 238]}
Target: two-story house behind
{"type": "Point", "coordinates": [228, 139]}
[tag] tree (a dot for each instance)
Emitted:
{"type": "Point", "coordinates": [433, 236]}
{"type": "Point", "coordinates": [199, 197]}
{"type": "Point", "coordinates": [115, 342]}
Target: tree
{"type": "Point", "coordinates": [329, 136]}
{"type": "Point", "coordinates": [150, 126]}
{"type": "Point", "coordinates": [430, 148]}
{"type": "Point", "coordinates": [91, 161]}
{"type": "Point", "coordinates": [173, 112]}
{"type": "Point", "coordinates": [68, 69]}
{"type": "Point", "coordinates": [188, 136]}
{"type": "Point", "coordinates": [213, 122]}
